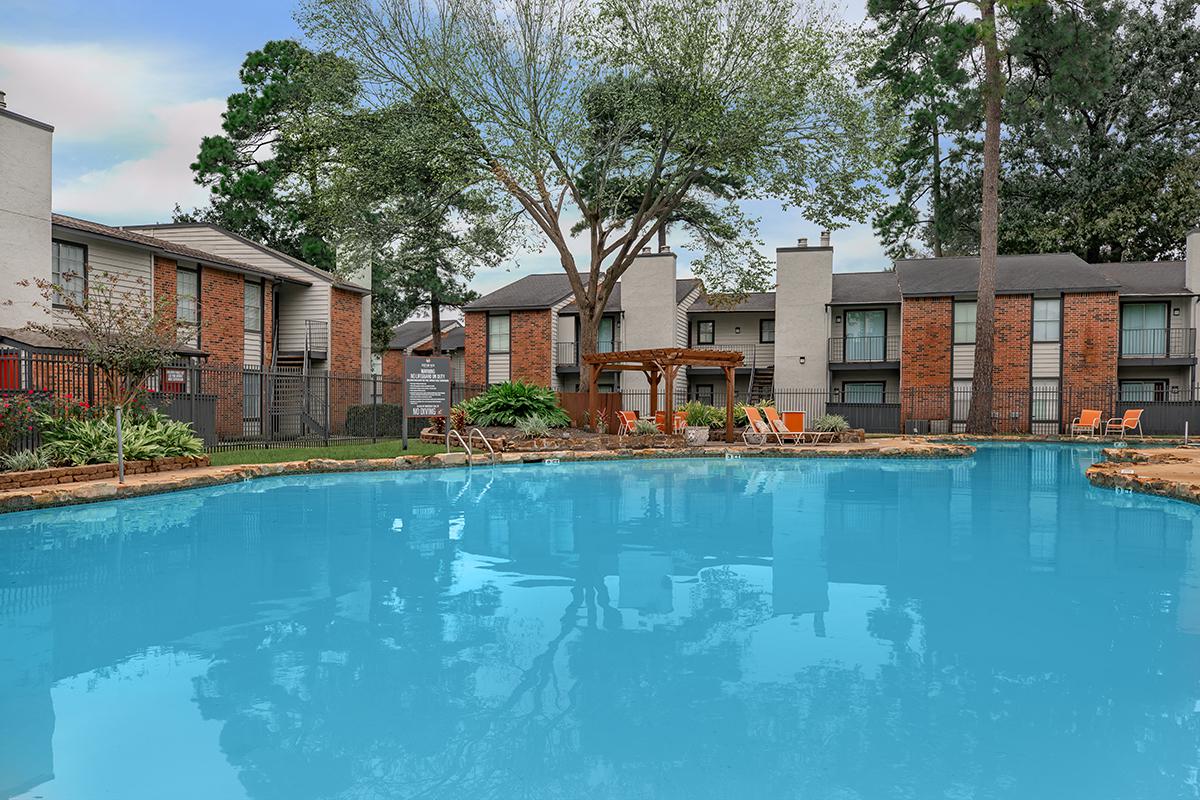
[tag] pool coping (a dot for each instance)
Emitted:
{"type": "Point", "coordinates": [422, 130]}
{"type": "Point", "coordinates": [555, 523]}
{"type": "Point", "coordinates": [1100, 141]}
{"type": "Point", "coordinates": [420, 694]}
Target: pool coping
{"type": "Point", "coordinates": [1173, 473]}
{"type": "Point", "coordinates": [32, 498]}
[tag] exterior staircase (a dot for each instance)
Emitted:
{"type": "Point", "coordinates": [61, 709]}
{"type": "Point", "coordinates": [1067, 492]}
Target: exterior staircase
{"type": "Point", "coordinates": [762, 384]}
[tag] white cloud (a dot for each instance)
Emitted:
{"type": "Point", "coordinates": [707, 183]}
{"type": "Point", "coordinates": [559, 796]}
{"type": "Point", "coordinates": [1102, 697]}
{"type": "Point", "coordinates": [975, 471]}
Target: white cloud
{"type": "Point", "coordinates": [145, 189]}
{"type": "Point", "coordinates": [128, 121]}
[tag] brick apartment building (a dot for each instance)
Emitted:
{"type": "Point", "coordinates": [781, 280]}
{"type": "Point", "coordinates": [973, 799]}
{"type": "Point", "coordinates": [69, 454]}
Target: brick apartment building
{"type": "Point", "coordinates": [880, 347]}
{"type": "Point", "coordinates": [244, 309]}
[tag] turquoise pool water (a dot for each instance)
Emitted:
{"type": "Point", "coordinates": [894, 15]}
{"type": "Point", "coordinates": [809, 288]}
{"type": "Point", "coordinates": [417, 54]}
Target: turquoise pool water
{"type": "Point", "coordinates": [839, 630]}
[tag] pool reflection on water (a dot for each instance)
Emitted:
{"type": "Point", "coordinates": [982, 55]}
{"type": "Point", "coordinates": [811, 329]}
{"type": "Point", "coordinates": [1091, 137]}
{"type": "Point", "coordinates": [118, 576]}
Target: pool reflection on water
{"type": "Point", "coordinates": [983, 628]}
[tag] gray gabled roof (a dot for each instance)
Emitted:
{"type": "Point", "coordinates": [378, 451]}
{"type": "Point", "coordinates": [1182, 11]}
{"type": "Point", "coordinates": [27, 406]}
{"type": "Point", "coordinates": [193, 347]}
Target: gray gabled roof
{"type": "Point", "coordinates": [683, 287]}
{"type": "Point", "coordinates": [865, 287]}
{"type": "Point", "coordinates": [1148, 277]}
{"type": "Point", "coordinates": [754, 301]}
{"type": "Point", "coordinates": [163, 246]}
{"type": "Point", "coordinates": [1015, 274]}
{"type": "Point", "coordinates": [531, 292]}
{"type": "Point", "coordinates": [416, 331]}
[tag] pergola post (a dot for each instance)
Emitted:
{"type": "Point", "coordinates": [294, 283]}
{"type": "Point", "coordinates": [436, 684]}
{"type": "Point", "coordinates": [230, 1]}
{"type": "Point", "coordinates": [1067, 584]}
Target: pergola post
{"type": "Point", "coordinates": [652, 379]}
{"type": "Point", "coordinates": [669, 398]}
{"type": "Point", "coordinates": [593, 397]}
{"type": "Point", "coordinates": [729, 372]}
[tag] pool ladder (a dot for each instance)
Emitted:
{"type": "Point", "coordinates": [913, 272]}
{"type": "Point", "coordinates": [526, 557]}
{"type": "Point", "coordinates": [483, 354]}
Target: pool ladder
{"type": "Point", "coordinates": [466, 444]}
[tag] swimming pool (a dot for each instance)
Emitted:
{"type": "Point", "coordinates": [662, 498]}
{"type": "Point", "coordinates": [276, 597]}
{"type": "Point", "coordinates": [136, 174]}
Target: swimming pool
{"type": "Point", "coordinates": [989, 627]}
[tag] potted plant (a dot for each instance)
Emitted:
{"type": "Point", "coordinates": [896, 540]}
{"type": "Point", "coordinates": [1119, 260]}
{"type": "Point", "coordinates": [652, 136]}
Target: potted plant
{"type": "Point", "coordinates": [700, 419]}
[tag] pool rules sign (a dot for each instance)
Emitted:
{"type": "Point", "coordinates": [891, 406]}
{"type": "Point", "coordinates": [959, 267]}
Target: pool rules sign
{"type": "Point", "coordinates": [426, 387]}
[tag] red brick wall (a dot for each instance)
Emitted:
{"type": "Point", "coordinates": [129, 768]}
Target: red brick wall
{"type": "Point", "coordinates": [927, 325]}
{"type": "Point", "coordinates": [1091, 327]}
{"type": "Point", "coordinates": [222, 322]}
{"type": "Point", "coordinates": [345, 356]}
{"type": "Point", "coordinates": [1010, 374]}
{"type": "Point", "coordinates": [164, 281]}
{"type": "Point", "coordinates": [530, 344]}
{"type": "Point", "coordinates": [475, 347]}
{"type": "Point", "coordinates": [393, 375]}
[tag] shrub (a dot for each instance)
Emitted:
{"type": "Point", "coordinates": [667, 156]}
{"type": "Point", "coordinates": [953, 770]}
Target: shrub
{"type": "Point", "coordinates": [458, 418]}
{"type": "Point", "coordinates": [645, 427]}
{"type": "Point", "coordinates": [831, 422]}
{"type": "Point", "coordinates": [23, 461]}
{"type": "Point", "coordinates": [76, 441]}
{"type": "Point", "coordinates": [505, 403]}
{"type": "Point", "coordinates": [17, 417]}
{"type": "Point", "coordinates": [533, 427]}
{"type": "Point", "coordinates": [700, 415]}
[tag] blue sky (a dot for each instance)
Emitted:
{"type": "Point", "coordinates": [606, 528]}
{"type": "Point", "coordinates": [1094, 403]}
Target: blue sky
{"type": "Point", "coordinates": [132, 86]}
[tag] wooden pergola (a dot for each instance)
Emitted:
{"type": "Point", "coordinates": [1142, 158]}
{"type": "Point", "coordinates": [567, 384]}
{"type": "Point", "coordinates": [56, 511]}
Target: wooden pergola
{"type": "Point", "coordinates": [663, 363]}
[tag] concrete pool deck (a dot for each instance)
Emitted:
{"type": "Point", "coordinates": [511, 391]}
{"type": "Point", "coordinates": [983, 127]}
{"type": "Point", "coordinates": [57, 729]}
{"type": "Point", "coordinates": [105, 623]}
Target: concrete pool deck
{"type": "Point", "coordinates": [158, 483]}
{"type": "Point", "coordinates": [1164, 471]}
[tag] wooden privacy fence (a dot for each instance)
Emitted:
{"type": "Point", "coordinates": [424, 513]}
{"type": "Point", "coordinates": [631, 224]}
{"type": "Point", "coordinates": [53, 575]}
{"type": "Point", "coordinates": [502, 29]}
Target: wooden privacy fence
{"type": "Point", "coordinates": [576, 406]}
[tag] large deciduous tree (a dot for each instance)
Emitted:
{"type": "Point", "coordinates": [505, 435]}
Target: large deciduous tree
{"type": "Point", "coordinates": [750, 95]}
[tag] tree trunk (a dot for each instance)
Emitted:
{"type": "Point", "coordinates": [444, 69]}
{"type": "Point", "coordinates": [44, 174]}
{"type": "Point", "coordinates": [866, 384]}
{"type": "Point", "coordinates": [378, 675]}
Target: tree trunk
{"type": "Point", "coordinates": [589, 335]}
{"type": "Point", "coordinates": [662, 237]}
{"type": "Point", "coordinates": [435, 314]}
{"type": "Point", "coordinates": [935, 233]}
{"type": "Point", "coordinates": [979, 420]}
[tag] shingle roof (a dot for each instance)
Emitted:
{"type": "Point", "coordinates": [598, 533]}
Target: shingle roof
{"type": "Point", "coordinates": [304, 266]}
{"type": "Point", "coordinates": [683, 287]}
{"type": "Point", "coordinates": [415, 331]}
{"type": "Point", "coordinates": [1014, 275]}
{"type": "Point", "coordinates": [755, 301]}
{"type": "Point", "coordinates": [1148, 277]}
{"type": "Point", "coordinates": [160, 245]}
{"type": "Point", "coordinates": [865, 287]}
{"type": "Point", "coordinates": [530, 292]}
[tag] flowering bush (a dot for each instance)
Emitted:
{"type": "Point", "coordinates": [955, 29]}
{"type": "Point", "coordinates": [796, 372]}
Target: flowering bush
{"type": "Point", "coordinates": [17, 417]}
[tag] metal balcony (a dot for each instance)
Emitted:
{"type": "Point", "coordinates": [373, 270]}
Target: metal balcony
{"type": "Point", "coordinates": [864, 349]}
{"type": "Point", "coordinates": [1158, 343]}
{"type": "Point", "coordinates": [567, 353]}
{"type": "Point", "coordinates": [754, 356]}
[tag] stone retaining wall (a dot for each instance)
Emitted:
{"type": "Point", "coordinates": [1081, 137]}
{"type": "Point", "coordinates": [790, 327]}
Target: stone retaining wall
{"type": "Point", "coordinates": [95, 472]}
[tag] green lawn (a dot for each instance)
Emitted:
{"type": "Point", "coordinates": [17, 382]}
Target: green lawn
{"type": "Point", "coordinates": [388, 449]}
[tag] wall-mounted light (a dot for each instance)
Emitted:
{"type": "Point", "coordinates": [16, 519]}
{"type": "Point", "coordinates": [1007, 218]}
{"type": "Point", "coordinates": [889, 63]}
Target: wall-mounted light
{"type": "Point", "coordinates": [1175, 311]}
{"type": "Point", "coordinates": [737, 329]}
{"type": "Point", "coordinates": [801, 359]}
{"type": "Point", "coordinates": [838, 319]}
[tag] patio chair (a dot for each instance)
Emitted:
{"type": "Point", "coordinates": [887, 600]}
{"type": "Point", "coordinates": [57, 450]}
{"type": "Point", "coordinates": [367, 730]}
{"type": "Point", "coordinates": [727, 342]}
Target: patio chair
{"type": "Point", "coordinates": [626, 422]}
{"type": "Point", "coordinates": [1128, 423]}
{"type": "Point", "coordinates": [757, 428]}
{"type": "Point", "coordinates": [660, 421]}
{"type": "Point", "coordinates": [780, 426]}
{"type": "Point", "coordinates": [1087, 422]}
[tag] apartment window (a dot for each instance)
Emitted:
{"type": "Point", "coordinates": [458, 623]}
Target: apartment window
{"type": "Point", "coordinates": [68, 273]}
{"type": "Point", "coordinates": [187, 304]}
{"type": "Point", "coordinates": [703, 393]}
{"type": "Point", "coordinates": [964, 322]}
{"type": "Point", "coordinates": [1144, 329]}
{"type": "Point", "coordinates": [863, 391]}
{"type": "Point", "coordinates": [1143, 391]}
{"type": "Point", "coordinates": [1047, 315]}
{"type": "Point", "coordinates": [252, 305]}
{"type": "Point", "coordinates": [498, 333]}
{"type": "Point", "coordinates": [766, 331]}
{"type": "Point", "coordinates": [706, 331]}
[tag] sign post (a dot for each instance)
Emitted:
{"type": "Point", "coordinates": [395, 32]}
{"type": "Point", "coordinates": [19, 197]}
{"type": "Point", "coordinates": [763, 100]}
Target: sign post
{"type": "Point", "coordinates": [426, 390]}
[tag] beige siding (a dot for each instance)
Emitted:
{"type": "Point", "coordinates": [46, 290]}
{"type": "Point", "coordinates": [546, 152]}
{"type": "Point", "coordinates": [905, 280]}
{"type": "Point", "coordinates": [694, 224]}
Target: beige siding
{"type": "Point", "coordinates": [1046, 359]}
{"type": "Point", "coordinates": [133, 268]}
{"type": "Point", "coordinates": [555, 333]}
{"type": "Point", "coordinates": [889, 378]}
{"type": "Point", "coordinates": [964, 361]}
{"type": "Point", "coordinates": [681, 317]}
{"type": "Point", "coordinates": [498, 367]}
{"type": "Point", "coordinates": [296, 303]}
{"type": "Point", "coordinates": [726, 333]}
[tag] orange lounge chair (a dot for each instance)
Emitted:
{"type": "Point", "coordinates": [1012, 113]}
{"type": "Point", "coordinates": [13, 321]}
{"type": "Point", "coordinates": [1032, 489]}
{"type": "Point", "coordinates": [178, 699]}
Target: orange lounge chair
{"type": "Point", "coordinates": [1087, 422]}
{"type": "Point", "coordinates": [782, 431]}
{"type": "Point", "coordinates": [626, 422]}
{"type": "Point", "coordinates": [660, 421]}
{"type": "Point", "coordinates": [757, 428]}
{"type": "Point", "coordinates": [1131, 421]}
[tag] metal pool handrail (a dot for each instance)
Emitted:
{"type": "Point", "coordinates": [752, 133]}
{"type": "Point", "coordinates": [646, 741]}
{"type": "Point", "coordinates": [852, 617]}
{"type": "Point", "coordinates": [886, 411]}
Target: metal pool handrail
{"type": "Point", "coordinates": [486, 443]}
{"type": "Point", "coordinates": [461, 441]}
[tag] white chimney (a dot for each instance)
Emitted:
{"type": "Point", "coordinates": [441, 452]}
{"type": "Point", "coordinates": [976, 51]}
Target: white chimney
{"type": "Point", "coordinates": [25, 231]}
{"type": "Point", "coordinates": [824, 238]}
{"type": "Point", "coordinates": [647, 309]}
{"type": "Point", "coordinates": [1192, 265]}
{"type": "Point", "coordinates": [802, 242]}
{"type": "Point", "coordinates": [804, 289]}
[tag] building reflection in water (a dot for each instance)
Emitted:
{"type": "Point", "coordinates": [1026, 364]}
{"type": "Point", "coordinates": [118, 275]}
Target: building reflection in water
{"type": "Point", "coordinates": [503, 631]}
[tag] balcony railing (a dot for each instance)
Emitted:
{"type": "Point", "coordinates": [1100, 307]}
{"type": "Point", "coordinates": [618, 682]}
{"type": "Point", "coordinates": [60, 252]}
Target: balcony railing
{"type": "Point", "coordinates": [1158, 343]}
{"type": "Point", "coordinates": [567, 353]}
{"type": "Point", "coordinates": [864, 349]}
{"type": "Point", "coordinates": [316, 336]}
{"type": "Point", "coordinates": [754, 356]}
